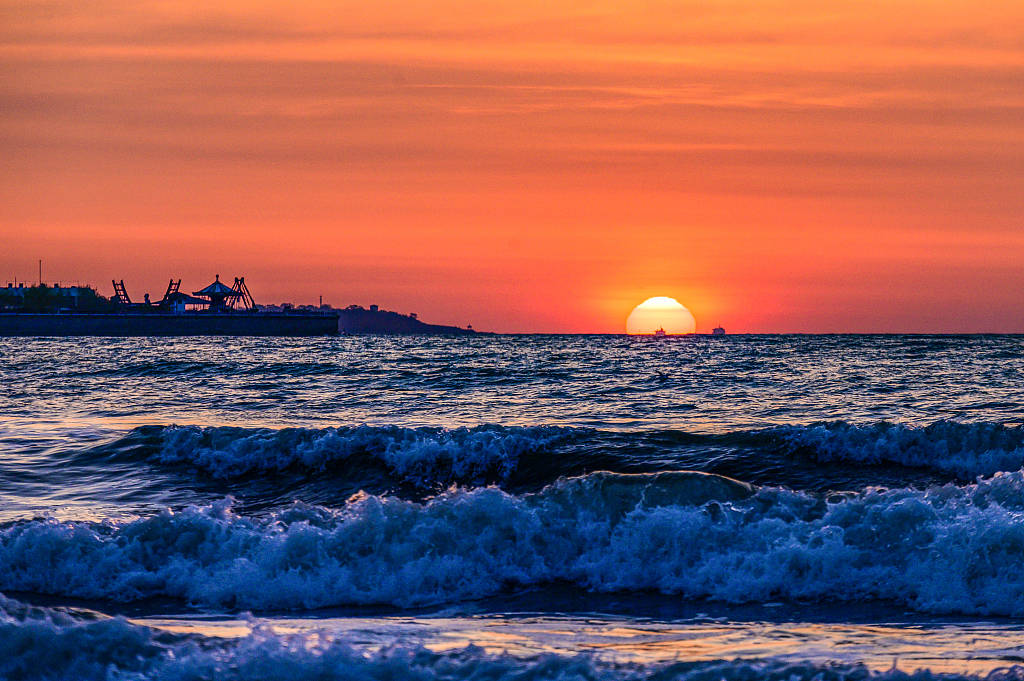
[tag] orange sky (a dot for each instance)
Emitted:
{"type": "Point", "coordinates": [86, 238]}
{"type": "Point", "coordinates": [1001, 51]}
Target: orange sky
{"type": "Point", "coordinates": [527, 165]}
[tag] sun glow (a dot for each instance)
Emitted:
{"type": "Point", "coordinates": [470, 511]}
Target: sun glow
{"type": "Point", "coordinates": [660, 312]}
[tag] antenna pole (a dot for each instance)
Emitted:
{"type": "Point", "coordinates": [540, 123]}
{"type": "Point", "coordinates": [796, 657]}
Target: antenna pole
{"type": "Point", "coordinates": [40, 271]}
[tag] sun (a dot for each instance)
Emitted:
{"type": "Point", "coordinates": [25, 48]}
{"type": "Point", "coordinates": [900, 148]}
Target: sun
{"type": "Point", "coordinates": [660, 312]}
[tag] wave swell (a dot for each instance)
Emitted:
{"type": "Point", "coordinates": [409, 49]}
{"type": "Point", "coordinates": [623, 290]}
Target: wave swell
{"type": "Point", "coordinates": [379, 458]}
{"type": "Point", "coordinates": [422, 457]}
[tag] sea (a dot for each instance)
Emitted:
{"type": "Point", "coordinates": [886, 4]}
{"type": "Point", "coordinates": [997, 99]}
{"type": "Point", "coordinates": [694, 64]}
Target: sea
{"type": "Point", "coordinates": [512, 507]}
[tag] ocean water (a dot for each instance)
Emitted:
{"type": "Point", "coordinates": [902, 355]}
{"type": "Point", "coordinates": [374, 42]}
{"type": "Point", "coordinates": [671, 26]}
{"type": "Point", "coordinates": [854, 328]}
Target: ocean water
{"type": "Point", "coordinates": [512, 507]}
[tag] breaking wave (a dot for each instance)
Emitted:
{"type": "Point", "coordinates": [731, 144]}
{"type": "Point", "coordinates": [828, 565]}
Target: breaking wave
{"type": "Point", "coordinates": [966, 450]}
{"type": "Point", "coordinates": [42, 643]}
{"type": "Point", "coordinates": [522, 458]}
{"type": "Point", "coordinates": [945, 549]}
{"type": "Point", "coordinates": [422, 457]}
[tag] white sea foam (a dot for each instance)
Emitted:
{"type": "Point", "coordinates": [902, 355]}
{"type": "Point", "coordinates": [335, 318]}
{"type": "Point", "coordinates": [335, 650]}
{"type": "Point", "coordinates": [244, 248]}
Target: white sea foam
{"type": "Point", "coordinates": [945, 549]}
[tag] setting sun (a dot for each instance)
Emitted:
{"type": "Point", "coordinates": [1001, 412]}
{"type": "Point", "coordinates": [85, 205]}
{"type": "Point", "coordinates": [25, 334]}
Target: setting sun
{"type": "Point", "coordinates": [660, 312]}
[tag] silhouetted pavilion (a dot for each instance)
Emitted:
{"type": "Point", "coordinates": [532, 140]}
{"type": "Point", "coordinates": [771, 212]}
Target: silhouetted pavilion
{"type": "Point", "coordinates": [218, 295]}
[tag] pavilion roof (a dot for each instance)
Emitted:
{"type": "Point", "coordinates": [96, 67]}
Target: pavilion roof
{"type": "Point", "coordinates": [217, 289]}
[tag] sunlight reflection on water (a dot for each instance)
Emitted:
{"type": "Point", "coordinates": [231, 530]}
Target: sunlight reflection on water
{"type": "Point", "coordinates": [698, 383]}
{"type": "Point", "coordinates": [965, 648]}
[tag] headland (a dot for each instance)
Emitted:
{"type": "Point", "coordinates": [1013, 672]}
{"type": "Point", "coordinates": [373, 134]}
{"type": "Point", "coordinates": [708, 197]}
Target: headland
{"type": "Point", "coordinates": [356, 319]}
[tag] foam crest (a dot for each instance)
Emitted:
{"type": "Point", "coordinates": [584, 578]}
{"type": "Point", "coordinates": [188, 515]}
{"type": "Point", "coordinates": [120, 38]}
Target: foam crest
{"type": "Point", "coordinates": [947, 549]}
{"type": "Point", "coordinates": [963, 449]}
{"type": "Point", "coordinates": [423, 456]}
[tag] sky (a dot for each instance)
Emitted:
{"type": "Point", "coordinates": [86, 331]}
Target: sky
{"type": "Point", "coordinates": [526, 165]}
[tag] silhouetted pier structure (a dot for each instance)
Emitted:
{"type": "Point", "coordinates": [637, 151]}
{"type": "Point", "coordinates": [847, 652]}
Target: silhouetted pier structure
{"type": "Point", "coordinates": [217, 309]}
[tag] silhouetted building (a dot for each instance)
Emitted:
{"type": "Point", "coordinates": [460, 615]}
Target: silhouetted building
{"type": "Point", "coordinates": [218, 294]}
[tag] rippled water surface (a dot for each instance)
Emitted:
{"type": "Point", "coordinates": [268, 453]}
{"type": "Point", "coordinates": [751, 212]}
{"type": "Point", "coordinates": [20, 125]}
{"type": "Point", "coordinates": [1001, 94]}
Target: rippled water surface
{"type": "Point", "coordinates": [699, 383]}
{"type": "Point", "coordinates": [568, 507]}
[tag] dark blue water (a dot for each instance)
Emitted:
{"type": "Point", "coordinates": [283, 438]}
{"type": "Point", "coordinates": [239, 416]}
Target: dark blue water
{"type": "Point", "coordinates": [570, 507]}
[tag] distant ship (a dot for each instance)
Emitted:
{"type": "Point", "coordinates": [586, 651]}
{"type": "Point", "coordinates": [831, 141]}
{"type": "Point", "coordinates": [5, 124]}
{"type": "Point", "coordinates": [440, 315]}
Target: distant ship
{"type": "Point", "coordinates": [718, 331]}
{"type": "Point", "coordinates": [660, 332]}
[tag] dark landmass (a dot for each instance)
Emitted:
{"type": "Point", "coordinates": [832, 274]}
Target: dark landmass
{"type": "Point", "coordinates": [82, 311]}
{"type": "Point", "coordinates": [358, 320]}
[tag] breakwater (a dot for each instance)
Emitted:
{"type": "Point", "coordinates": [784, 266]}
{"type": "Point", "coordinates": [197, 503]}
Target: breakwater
{"type": "Point", "coordinates": [154, 324]}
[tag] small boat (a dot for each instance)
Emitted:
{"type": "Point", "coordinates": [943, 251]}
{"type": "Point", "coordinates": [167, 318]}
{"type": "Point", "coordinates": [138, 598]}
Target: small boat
{"type": "Point", "coordinates": [659, 333]}
{"type": "Point", "coordinates": [718, 331]}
